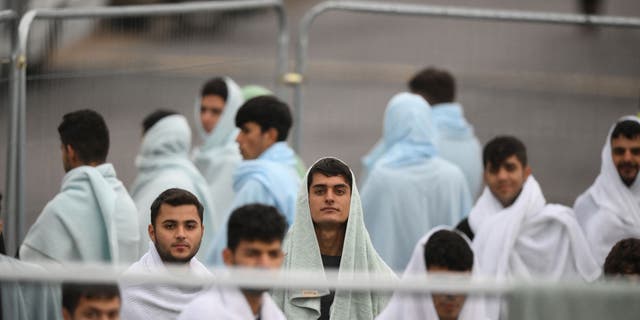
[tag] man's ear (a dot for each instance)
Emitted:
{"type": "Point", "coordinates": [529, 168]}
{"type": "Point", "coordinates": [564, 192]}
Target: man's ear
{"type": "Point", "coordinates": [527, 172]}
{"type": "Point", "coordinates": [71, 153]}
{"type": "Point", "coordinates": [65, 314]}
{"type": "Point", "coordinates": [272, 134]}
{"type": "Point", "coordinates": [227, 257]}
{"type": "Point", "coordinates": [152, 233]}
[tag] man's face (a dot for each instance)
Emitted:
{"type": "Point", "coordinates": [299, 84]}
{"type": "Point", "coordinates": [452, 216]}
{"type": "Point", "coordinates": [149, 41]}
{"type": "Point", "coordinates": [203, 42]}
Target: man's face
{"type": "Point", "coordinates": [329, 199]}
{"type": "Point", "coordinates": [253, 141]}
{"type": "Point", "coordinates": [211, 107]}
{"type": "Point", "coordinates": [448, 306]}
{"type": "Point", "coordinates": [505, 181]}
{"type": "Point", "coordinates": [177, 233]}
{"type": "Point", "coordinates": [95, 309]}
{"type": "Point", "coordinates": [626, 157]}
{"type": "Point", "coordinates": [255, 254]}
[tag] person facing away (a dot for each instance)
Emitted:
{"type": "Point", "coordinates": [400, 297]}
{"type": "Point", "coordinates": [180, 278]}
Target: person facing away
{"type": "Point", "coordinates": [457, 141]}
{"type": "Point", "coordinates": [218, 156]}
{"type": "Point", "coordinates": [609, 210]}
{"type": "Point", "coordinates": [267, 175]}
{"type": "Point", "coordinates": [515, 232]}
{"type": "Point", "coordinates": [93, 218]}
{"type": "Point", "coordinates": [254, 241]}
{"type": "Point", "coordinates": [329, 233]}
{"type": "Point", "coordinates": [176, 233]}
{"type": "Point", "coordinates": [90, 302]}
{"type": "Point", "coordinates": [163, 163]}
{"type": "Point", "coordinates": [440, 252]}
{"type": "Point", "coordinates": [624, 259]}
{"type": "Point", "coordinates": [410, 188]}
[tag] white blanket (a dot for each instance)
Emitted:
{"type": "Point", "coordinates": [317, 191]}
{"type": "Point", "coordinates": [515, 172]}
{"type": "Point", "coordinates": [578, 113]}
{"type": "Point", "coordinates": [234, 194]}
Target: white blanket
{"type": "Point", "coordinates": [92, 219]}
{"type": "Point", "coordinates": [228, 304]}
{"type": "Point", "coordinates": [219, 155]}
{"type": "Point", "coordinates": [145, 301]}
{"type": "Point", "coordinates": [609, 211]}
{"type": "Point", "coordinates": [163, 163]}
{"type": "Point", "coordinates": [420, 306]}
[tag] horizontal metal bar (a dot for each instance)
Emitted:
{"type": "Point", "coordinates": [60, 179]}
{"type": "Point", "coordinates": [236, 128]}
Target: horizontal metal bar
{"type": "Point", "coordinates": [153, 10]}
{"type": "Point", "coordinates": [7, 15]}
{"type": "Point", "coordinates": [258, 278]}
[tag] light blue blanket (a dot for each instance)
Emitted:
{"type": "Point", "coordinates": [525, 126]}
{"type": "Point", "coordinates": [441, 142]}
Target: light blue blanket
{"type": "Point", "coordinates": [92, 219]}
{"type": "Point", "coordinates": [410, 189]}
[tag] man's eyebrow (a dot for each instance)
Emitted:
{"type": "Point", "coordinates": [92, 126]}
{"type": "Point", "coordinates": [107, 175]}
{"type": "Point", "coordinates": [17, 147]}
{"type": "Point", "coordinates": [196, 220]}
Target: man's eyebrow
{"type": "Point", "coordinates": [319, 186]}
{"type": "Point", "coordinates": [169, 220]}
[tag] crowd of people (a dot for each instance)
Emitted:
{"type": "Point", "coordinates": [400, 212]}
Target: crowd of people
{"type": "Point", "coordinates": [245, 199]}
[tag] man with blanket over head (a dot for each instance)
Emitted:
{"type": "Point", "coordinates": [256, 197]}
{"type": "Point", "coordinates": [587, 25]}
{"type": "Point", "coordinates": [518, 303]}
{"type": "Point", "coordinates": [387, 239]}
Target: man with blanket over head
{"type": "Point", "coordinates": [456, 140]}
{"type": "Point", "coordinates": [515, 232]}
{"type": "Point", "coordinates": [329, 233]}
{"type": "Point", "coordinates": [410, 189]}
{"type": "Point", "coordinates": [93, 218]}
{"type": "Point", "coordinates": [439, 252]}
{"type": "Point", "coordinates": [268, 173]}
{"type": "Point", "coordinates": [175, 232]}
{"type": "Point", "coordinates": [218, 156]}
{"type": "Point", "coordinates": [163, 163]}
{"type": "Point", "coordinates": [254, 241]}
{"type": "Point", "coordinates": [609, 210]}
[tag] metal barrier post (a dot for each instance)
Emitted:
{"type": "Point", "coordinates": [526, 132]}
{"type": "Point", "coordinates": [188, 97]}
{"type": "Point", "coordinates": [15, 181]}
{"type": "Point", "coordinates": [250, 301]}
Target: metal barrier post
{"type": "Point", "coordinates": [118, 12]}
{"type": "Point", "coordinates": [11, 216]}
{"type": "Point", "coordinates": [296, 79]}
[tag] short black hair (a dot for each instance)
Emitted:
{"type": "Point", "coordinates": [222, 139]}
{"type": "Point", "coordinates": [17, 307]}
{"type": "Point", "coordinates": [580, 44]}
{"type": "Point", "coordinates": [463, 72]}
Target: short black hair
{"type": "Point", "coordinates": [448, 249]}
{"type": "Point", "coordinates": [268, 112]}
{"type": "Point", "coordinates": [154, 117]}
{"type": "Point", "coordinates": [500, 148]}
{"type": "Point", "coordinates": [624, 258]}
{"type": "Point", "coordinates": [175, 197]}
{"type": "Point", "coordinates": [215, 86]}
{"type": "Point", "coordinates": [628, 128]}
{"type": "Point", "coordinates": [87, 133]}
{"type": "Point", "coordinates": [434, 85]}
{"type": "Point", "coordinates": [72, 292]}
{"type": "Point", "coordinates": [330, 167]}
{"type": "Point", "coordinates": [255, 222]}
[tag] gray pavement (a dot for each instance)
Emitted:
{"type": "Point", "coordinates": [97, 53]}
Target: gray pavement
{"type": "Point", "coordinates": [559, 88]}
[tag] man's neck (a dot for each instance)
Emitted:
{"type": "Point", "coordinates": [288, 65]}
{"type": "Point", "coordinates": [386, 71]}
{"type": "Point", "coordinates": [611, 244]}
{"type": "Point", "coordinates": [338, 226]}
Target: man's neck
{"type": "Point", "coordinates": [255, 301]}
{"type": "Point", "coordinates": [331, 239]}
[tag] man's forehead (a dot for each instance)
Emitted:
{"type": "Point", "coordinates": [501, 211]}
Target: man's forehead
{"type": "Point", "coordinates": [180, 213]}
{"type": "Point", "coordinates": [622, 140]}
{"type": "Point", "coordinates": [512, 159]}
{"type": "Point", "coordinates": [260, 244]}
{"type": "Point", "coordinates": [320, 179]}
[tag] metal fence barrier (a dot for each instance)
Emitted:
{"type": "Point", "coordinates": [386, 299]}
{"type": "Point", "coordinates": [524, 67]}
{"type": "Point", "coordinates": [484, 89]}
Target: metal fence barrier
{"type": "Point", "coordinates": [15, 202]}
{"type": "Point", "coordinates": [297, 79]}
{"type": "Point", "coordinates": [9, 18]}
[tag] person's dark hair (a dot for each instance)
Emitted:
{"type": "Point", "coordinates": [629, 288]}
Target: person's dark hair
{"type": "Point", "coordinates": [87, 133]}
{"type": "Point", "coordinates": [268, 112]}
{"type": "Point", "coordinates": [154, 117]}
{"type": "Point", "coordinates": [72, 292]}
{"type": "Point", "coordinates": [500, 148]}
{"type": "Point", "coordinates": [434, 85]}
{"type": "Point", "coordinates": [330, 167]}
{"type": "Point", "coordinates": [216, 87]}
{"type": "Point", "coordinates": [448, 249]}
{"type": "Point", "coordinates": [175, 197]}
{"type": "Point", "coordinates": [255, 222]}
{"type": "Point", "coordinates": [624, 258]}
{"type": "Point", "coordinates": [628, 128]}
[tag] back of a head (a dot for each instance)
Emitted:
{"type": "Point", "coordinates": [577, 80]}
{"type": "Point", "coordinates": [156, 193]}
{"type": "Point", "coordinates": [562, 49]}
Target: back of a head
{"type": "Point", "coordinates": [268, 112]}
{"type": "Point", "coordinates": [73, 292]}
{"type": "Point", "coordinates": [627, 128]}
{"type": "Point", "coordinates": [217, 87]}
{"type": "Point", "coordinates": [435, 85]}
{"type": "Point", "coordinates": [154, 117]}
{"type": "Point", "coordinates": [330, 167]}
{"type": "Point", "coordinates": [87, 133]}
{"type": "Point", "coordinates": [624, 258]}
{"type": "Point", "coordinates": [448, 249]}
{"type": "Point", "coordinates": [175, 197]}
{"type": "Point", "coordinates": [255, 222]}
{"type": "Point", "coordinates": [500, 148]}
